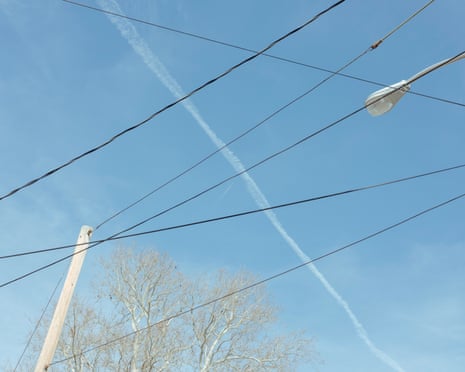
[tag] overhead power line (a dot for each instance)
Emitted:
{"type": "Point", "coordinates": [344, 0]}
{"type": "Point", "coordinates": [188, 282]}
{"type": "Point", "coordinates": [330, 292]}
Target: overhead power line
{"type": "Point", "coordinates": [275, 276]}
{"type": "Point", "coordinates": [279, 58]}
{"type": "Point", "coordinates": [260, 123]}
{"type": "Point", "coordinates": [282, 151]}
{"type": "Point", "coordinates": [216, 219]}
{"type": "Point", "coordinates": [321, 130]}
{"type": "Point", "coordinates": [172, 104]}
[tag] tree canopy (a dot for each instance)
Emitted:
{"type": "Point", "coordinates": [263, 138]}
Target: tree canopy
{"type": "Point", "coordinates": [130, 323]}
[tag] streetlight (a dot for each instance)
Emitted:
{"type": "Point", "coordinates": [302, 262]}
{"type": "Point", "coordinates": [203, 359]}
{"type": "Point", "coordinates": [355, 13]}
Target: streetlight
{"type": "Point", "coordinates": [383, 100]}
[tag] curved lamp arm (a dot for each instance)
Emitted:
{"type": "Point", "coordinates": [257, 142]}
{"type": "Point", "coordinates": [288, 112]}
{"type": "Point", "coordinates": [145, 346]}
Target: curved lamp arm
{"type": "Point", "coordinates": [383, 100]}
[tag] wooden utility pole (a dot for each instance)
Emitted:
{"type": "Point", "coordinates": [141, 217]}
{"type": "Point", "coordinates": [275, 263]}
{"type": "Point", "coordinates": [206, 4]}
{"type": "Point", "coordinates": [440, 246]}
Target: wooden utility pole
{"type": "Point", "coordinates": [54, 331]}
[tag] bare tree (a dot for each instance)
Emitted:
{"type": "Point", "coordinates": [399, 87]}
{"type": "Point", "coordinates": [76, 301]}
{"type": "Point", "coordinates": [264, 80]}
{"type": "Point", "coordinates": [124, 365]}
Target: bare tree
{"type": "Point", "coordinates": [145, 288]}
{"type": "Point", "coordinates": [231, 333]}
{"type": "Point", "coordinates": [139, 292]}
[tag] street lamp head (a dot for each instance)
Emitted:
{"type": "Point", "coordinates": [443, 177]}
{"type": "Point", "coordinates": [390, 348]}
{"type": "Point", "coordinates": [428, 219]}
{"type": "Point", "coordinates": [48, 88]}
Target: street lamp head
{"type": "Point", "coordinates": [384, 99]}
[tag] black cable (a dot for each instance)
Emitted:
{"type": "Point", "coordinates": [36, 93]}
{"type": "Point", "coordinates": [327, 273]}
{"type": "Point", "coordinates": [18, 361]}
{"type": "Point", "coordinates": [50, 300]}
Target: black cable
{"type": "Point", "coordinates": [275, 276]}
{"type": "Point", "coordinates": [172, 104]}
{"type": "Point", "coordinates": [233, 176]}
{"type": "Point", "coordinates": [235, 215]}
{"type": "Point", "coordinates": [282, 59]}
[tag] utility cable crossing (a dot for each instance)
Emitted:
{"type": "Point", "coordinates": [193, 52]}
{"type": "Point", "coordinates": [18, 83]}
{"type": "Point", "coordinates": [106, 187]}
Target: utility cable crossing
{"type": "Point", "coordinates": [172, 104]}
{"type": "Point", "coordinates": [117, 236]}
{"type": "Point", "coordinates": [319, 131]}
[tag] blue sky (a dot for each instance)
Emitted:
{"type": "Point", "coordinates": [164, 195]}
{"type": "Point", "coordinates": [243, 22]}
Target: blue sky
{"type": "Point", "coordinates": [70, 80]}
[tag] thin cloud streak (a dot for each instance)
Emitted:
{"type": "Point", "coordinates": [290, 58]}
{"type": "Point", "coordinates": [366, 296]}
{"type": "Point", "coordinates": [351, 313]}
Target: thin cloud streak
{"type": "Point", "coordinates": [131, 35]}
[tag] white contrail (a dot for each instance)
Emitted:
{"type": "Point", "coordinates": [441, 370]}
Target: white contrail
{"type": "Point", "coordinates": [129, 32]}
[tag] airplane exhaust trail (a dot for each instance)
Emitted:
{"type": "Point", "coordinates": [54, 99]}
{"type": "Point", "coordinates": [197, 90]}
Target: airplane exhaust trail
{"type": "Point", "coordinates": [129, 32]}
